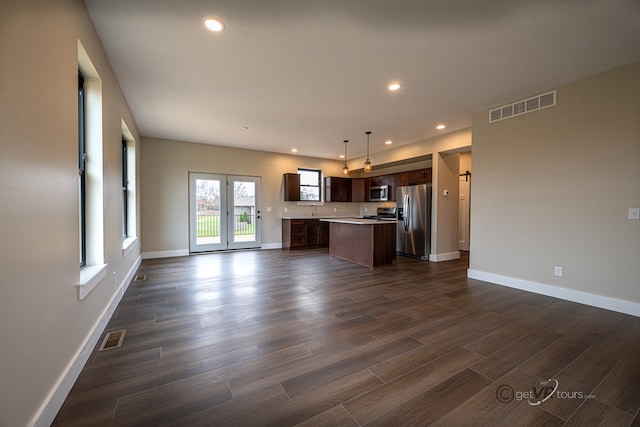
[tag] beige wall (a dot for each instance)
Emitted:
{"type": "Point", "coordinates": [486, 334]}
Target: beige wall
{"type": "Point", "coordinates": [445, 236]}
{"type": "Point", "coordinates": [165, 168]}
{"type": "Point", "coordinates": [465, 162]}
{"type": "Point", "coordinates": [447, 142]}
{"type": "Point", "coordinates": [553, 188]}
{"type": "Point", "coordinates": [43, 324]}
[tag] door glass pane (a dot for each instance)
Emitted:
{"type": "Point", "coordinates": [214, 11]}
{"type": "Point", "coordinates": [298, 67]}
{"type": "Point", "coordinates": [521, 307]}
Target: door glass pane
{"type": "Point", "coordinates": [244, 211]}
{"type": "Point", "coordinates": [207, 211]}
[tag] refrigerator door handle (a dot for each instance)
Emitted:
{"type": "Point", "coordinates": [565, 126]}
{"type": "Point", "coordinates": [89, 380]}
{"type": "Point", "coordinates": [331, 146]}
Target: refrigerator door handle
{"type": "Point", "coordinates": [406, 212]}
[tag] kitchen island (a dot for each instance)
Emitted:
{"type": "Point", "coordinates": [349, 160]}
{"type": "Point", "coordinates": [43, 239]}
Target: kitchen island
{"type": "Point", "coordinates": [368, 242]}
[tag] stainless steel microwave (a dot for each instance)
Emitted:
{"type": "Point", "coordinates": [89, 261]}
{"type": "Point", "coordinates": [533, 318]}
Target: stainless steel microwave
{"type": "Point", "coordinates": [379, 194]}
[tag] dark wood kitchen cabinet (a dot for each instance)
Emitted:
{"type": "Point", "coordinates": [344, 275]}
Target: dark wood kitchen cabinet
{"type": "Point", "coordinates": [316, 233]}
{"type": "Point", "coordinates": [291, 187]}
{"type": "Point", "coordinates": [402, 179]}
{"type": "Point", "coordinates": [420, 176]}
{"type": "Point", "coordinates": [376, 181]}
{"type": "Point", "coordinates": [359, 190]}
{"type": "Point", "coordinates": [304, 233]}
{"type": "Point", "coordinates": [337, 189]}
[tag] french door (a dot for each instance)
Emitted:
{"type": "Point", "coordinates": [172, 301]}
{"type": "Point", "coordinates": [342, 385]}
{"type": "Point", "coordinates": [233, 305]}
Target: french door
{"type": "Point", "coordinates": [224, 212]}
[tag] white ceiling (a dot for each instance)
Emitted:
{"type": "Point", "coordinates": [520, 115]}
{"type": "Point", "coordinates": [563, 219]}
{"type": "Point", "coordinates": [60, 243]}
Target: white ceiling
{"type": "Point", "coordinates": [310, 73]}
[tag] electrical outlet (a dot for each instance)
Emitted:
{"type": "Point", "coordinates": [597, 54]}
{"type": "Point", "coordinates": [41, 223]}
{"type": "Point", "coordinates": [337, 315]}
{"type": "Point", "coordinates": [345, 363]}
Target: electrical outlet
{"type": "Point", "coordinates": [634, 213]}
{"type": "Point", "coordinates": [335, 209]}
{"type": "Point", "coordinates": [557, 271]}
{"type": "Point", "coordinates": [268, 208]}
{"type": "Point", "coordinates": [285, 208]}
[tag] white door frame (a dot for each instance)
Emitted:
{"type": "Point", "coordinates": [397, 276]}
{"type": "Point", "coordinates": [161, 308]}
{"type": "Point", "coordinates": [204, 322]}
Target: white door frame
{"type": "Point", "coordinates": [464, 212]}
{"type": "Point", "coordinates": [242, 234]}
{"type": "Point", "coordinates": [244, 231]}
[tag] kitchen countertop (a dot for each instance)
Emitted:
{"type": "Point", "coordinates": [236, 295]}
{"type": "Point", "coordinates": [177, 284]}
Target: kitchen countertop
{"type": "Point", "coordinates": [359, 221]}
{"type": "Point", "coordinates": [318, 217]}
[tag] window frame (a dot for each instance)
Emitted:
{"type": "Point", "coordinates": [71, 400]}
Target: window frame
{"type": "Point", "coordinates": [82, 170]}
{"type": "Point", "coordinates": [125, 190]}
{"type": "Point", "coordinates": [319, 186]}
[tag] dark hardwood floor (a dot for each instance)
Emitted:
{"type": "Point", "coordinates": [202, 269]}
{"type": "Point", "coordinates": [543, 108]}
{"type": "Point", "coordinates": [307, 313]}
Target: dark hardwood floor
{"type": "Point", "coordinates": [279, 338]}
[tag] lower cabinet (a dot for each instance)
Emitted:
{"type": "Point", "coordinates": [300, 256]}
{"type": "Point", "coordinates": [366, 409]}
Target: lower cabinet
{"type": "Point", "coordinates": [304, 233]}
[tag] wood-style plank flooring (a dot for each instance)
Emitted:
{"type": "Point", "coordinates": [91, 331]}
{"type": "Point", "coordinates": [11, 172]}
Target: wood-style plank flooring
{"type": "Point", "coordinates": [279, 338]}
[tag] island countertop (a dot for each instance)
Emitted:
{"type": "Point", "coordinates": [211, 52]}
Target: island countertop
{"type": "Point", "coordinates": [360, 221]}
{"type": "Point", "coordinates": [316, 216]}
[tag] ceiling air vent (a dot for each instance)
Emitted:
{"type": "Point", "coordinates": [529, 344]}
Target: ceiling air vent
{"type": "Point", "coordinates": [523, 106]}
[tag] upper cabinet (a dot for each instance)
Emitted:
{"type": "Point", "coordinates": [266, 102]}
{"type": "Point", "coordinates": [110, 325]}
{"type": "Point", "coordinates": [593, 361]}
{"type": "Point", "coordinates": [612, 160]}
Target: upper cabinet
{"type": "Point", "coordinates": [376, 181]}
{"type": "Point", "coordinates": [359, 191]}
{"type": "Point", "coordinates": [402, 179]}
{"type": "Point", "coordinates": [337, 189]}
{"type": "Point", "coordinates": [341, 189]}
{"type": "Point", "coordinates": [420, 176]}
{"type": "Point", "coordinates": [291, 187]}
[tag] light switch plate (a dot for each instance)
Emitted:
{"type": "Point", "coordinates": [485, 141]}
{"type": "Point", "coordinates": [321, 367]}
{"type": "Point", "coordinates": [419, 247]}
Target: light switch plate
{"type": "Point", "coordinates": [634, 213]}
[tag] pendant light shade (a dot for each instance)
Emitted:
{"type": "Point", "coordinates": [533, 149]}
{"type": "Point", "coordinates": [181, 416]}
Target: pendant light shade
{"type": "Point", "coordinates": [367, 164]}
{"type": "Point", "coordinates": [345, 169]}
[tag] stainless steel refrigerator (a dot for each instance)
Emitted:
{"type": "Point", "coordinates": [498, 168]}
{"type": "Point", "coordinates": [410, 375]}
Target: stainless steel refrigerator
{"type": "Point", "coordinates": [414, 221]}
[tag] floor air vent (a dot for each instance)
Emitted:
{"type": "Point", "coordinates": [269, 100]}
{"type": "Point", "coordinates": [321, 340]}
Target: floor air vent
{"type": "Point", "coordinates": [524, 106]}
{"type": "Point", "coordinates": [140, 278]}
{"type": "Point", "coordinates": [113, 340]}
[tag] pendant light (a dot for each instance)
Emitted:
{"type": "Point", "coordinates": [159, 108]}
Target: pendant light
{"type": "Point", "coordinates": [345, 169]}
{"type": "Point", "coordinates": [367, 164]}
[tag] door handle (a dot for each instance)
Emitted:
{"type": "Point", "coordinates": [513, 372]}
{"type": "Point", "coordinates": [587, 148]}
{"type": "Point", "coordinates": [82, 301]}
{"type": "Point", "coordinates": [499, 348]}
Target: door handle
{"type": "Point", "coordinates": [406, 212]}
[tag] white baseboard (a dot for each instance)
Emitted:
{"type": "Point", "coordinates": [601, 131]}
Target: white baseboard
{"type": "Point", "coordinates": [272, 246]}
{"type": "Point", "coordinates": [448, 256]}
{"type": "Point", "coordinates": [185, 252]}
{"type": "Point", "coordinates": [56, 397]}
{"type": "Point", "coordinates": [165, 254]}
{"type": "Point", "coordinates": [600, 301]}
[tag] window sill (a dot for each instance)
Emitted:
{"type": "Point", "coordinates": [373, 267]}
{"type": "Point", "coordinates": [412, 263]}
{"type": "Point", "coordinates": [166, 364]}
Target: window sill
{"type": "Point", "coordinates": [90, 276]}
{"type": "Point", "coordinates": [309, 203]}
{"type": "Point", "coordinates": [128, 244]}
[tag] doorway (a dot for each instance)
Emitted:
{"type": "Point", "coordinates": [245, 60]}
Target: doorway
{"type": "Point", "coordinates": [464, 206]}
{"type": "Point", "coordinates": [224, 212]}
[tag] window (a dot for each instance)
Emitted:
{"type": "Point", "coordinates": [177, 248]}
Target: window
{"type": "Point", "coordinates": [82, 178]}
{"type": "Point", "coordinates": [125, 196]}
{"type": "Point", "coordinates": [128, 189]}
{"type": "Point", "coordinates": [90, 176]}
{"type": "Point", "coordinates": [310, 184]}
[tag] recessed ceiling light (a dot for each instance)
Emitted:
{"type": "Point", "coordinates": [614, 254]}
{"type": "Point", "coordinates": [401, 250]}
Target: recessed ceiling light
{"type": "Point", "coordinates": [441, 126]}
{"type": "Point", "coordinates": [394, 86]}
{"type": "Point", "coordinates": [342, 156]}
{"type": "Point", "coordinates": [214, 24]}
{"type": "Point", "coordinates": [294, 150]}
{"type": "Point", "coordinates": [388, 142]}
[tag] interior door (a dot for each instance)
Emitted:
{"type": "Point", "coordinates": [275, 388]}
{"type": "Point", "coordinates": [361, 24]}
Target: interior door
{"type": "Point", "coordinates": [464, 212]}
{"type": "Point", "coordinates": [244, 219]}
{"type": "Point", "coordinates": [207, 212]}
